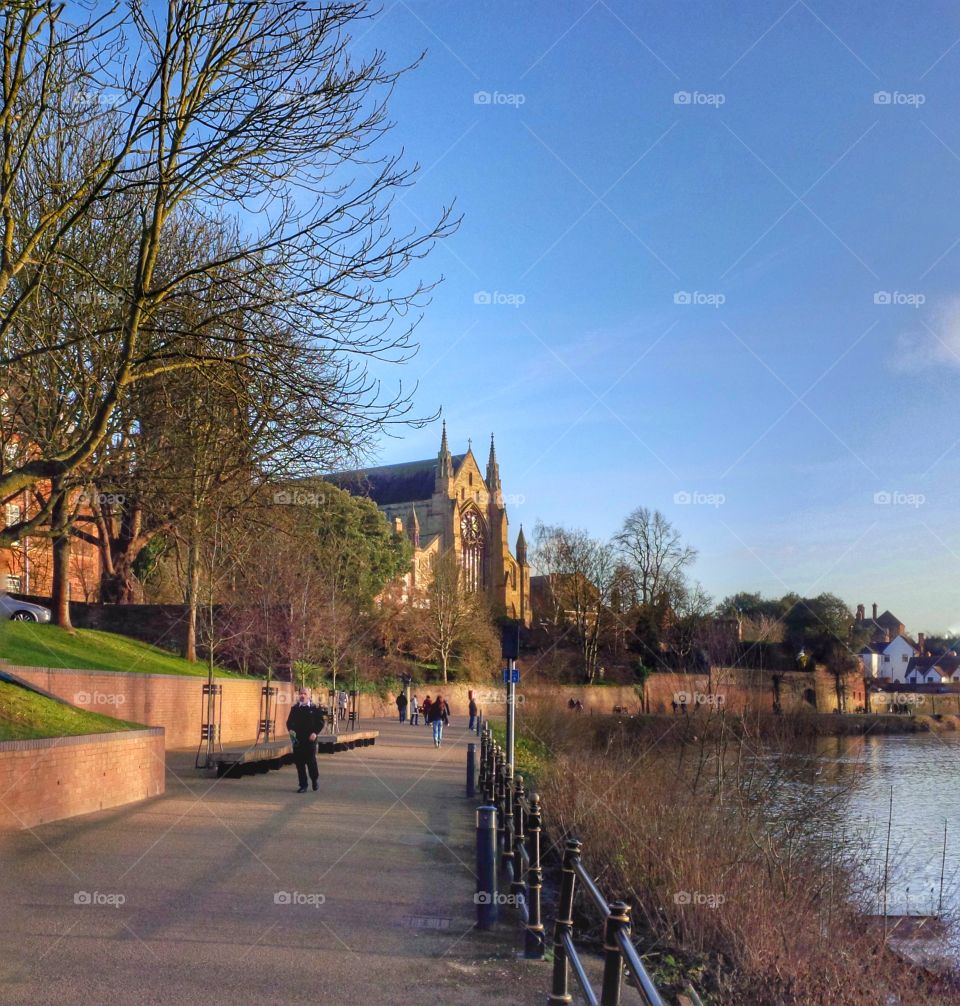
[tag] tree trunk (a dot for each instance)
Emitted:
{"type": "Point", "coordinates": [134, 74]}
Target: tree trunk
{"type": "Point", "coordinates": [191, 599]}
{"type": "Point", "coordinates": [60, 591]}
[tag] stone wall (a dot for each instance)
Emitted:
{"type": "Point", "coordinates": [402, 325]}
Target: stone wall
{"type": "Point", "coordinates": [57, 777]}
{"type": "Point", "coordinates": [170, 701]}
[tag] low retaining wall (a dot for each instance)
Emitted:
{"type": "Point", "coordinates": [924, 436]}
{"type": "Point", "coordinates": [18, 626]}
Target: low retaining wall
{"type": "Point", "coordinates": [57, 777]}
{"type": "Point", "coordinates": [734, 688]}
{"type": "Point", "coordinates": [170, 701]}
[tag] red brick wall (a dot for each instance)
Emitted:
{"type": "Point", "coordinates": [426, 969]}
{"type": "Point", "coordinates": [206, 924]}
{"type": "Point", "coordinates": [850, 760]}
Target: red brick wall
{"type": "Point", "coordinates": [46, 780]}
{"type": "Point", "coordinates": [159, 700]}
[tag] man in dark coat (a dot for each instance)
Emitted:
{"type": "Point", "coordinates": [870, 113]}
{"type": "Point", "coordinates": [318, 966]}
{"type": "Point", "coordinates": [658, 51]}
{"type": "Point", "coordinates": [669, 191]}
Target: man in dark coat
{"type": "Point", "coordinates": [304, 723]}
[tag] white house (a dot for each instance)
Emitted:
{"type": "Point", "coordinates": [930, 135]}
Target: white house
{"type": "Point", "coordinates": [889, 660]}
{"type": "Point", "coordinates": [934, 670]}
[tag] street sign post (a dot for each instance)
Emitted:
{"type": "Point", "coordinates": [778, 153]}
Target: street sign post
{"type": "Point", "coordinates": [510, 650]}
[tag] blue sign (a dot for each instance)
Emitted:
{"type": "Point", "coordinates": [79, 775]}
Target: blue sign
{"type": "Point", "coordinates": [511, 676]}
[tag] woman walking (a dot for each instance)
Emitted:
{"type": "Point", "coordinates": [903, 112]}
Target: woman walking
{"type": "Point", "coordinates": [438, 716]}
{"type": "Point", "coordinates": [414, 712]}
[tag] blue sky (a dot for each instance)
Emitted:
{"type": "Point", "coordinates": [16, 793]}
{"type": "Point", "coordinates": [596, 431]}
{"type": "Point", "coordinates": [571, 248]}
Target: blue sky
{"type": "Point", "coordinates": [791, 175]}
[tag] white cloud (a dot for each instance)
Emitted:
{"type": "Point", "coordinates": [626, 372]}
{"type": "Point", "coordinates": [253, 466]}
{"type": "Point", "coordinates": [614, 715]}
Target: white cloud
{"type": "Point", "coordinates": [933, 343]}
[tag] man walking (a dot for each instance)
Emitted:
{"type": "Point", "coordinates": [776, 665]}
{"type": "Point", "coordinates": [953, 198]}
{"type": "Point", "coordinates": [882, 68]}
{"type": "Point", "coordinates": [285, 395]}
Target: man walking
{"type": "Point", "coordinates": [472, 709]}
{"type": "Point", "coordinates": [304, 723]}
{"type": "Point", "coordinates": [402, 707]}
{"type": "Point", "coordinates": [414, 712]}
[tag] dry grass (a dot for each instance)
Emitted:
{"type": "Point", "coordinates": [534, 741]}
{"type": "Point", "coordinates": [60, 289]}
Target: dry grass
{"type": "Point", "coordinates": [740, 878]}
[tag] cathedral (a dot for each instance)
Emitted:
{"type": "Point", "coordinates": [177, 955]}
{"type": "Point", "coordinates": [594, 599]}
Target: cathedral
{"type": "Point", "coordinates": [446, 503]}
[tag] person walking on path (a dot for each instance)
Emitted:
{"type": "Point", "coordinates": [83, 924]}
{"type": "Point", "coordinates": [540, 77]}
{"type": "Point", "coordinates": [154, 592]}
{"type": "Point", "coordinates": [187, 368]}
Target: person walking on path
{"type": "Point", "coordinates": [425, 709]}
{"type": "Point", "coordinates": [438, 716]}
{"type": "Point", "coordinates": [402, 707]}
{"type": "Point", "coordinates": [414, 712]}
{"type": "Point", "coordinates": [342, 705]}
{"type": "Point", "coordinates": [473, 710]}
{"type": "Point", "coordinates": [304, 723]}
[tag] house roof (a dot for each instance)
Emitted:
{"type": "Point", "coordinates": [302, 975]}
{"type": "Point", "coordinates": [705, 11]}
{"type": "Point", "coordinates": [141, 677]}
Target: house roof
{"type": "Point", "coordinates": [408, 482]}
{"type": "Point", "coordinates": [943, 664]}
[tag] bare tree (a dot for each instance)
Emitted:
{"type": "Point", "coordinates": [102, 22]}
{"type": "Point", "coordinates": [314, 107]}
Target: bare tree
{"type": "Point", "coordinates": [256, 114]}
{"type": "Point", "coordinates": [655, 551]}
{"type": "Point", "coordinates": [582, 574]}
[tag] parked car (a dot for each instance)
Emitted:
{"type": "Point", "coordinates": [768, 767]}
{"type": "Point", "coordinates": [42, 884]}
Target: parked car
{"type": "Point", "coordinates": [22, 611]}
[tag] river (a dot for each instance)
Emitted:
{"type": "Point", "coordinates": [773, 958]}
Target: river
{"type": "Point", "coordinates": [923, 771]}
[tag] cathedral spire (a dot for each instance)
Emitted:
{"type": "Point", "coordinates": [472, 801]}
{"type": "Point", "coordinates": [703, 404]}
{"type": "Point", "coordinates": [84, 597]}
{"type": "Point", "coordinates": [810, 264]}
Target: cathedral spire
{"type": "Point", "coordinates": [521, 548]}
{"type": "Point", "coordinates": [444, 458]}
{"type": "Point", "coordinates": [493, 469]}
{"type": "Point", "coordinates": [413, 527]}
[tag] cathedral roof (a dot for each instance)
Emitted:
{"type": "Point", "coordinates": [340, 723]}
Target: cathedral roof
{"type": "Point", "coordinates": [408, 482]}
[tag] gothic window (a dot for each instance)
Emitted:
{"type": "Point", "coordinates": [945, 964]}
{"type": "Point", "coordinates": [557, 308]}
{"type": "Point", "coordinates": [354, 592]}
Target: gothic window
{"type": "Point", "coordinates": [472, 550]}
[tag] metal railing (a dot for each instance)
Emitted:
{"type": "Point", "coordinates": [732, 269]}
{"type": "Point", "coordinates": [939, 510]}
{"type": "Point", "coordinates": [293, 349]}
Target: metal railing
{"type": "Point", "coordinates": [519, 820]}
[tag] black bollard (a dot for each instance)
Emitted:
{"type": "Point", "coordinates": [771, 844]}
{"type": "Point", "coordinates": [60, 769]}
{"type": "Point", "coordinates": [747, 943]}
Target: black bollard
{"type": "Point", "coordinates": [486, 896]}
{"type": "Point", "coordinates": [471, 770]}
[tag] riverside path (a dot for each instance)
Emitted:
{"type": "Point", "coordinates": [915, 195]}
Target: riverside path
{"type": "Point", "coordinates": [242, 891]}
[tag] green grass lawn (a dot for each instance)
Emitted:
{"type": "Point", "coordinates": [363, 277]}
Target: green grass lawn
{"type": "Point", "coordinates": [35, 645]}
{"type": "Point", "coordinates": [24, 716]}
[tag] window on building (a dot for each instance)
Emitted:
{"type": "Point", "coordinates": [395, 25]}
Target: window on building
{"type": "Point", "coordinates": [886, 658]}
{"type": "Point", "coordinates": [903, 657]}
{"type": "Point", "coordinates": [472, 550]}
{"type": "Point", "coordinates": [14, 583]}
{"type": "Point", "coordinates": [13, 512]}
{"type": "Point", "coordinates": [470, 477]}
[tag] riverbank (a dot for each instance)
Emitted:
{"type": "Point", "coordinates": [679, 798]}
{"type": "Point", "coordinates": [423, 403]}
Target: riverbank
{"type": "Point", "coordinates": [743, 882]}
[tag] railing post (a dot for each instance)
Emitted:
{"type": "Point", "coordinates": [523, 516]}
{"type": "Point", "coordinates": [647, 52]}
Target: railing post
{"type": "Point", "coordinates": [480, 720]}
{"type": "Point", "coordinates": [619, 918]}
{"type": "Point", "coordinates": [533, 943]}
{"type": "Point", "coordinates": [560, 992]}
{"type": "Point", "coordinates": [471, 770]}
{"type": "Point", "coordinates": [499, 783]}
{"type": "Point", "coordinates": [486, 895]}
{"type": "Point", "coordinates": [509, 864]}
{"type": "Point", "coordinates": [519, 840]}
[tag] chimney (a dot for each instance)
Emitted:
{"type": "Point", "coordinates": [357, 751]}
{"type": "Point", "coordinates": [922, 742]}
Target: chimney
{"type": "Point", "coordinates": [921, 643]}
{"type": "Point", "coordinates": [874, 610]}
{"type": "Point", "coordinates": [861, 615]}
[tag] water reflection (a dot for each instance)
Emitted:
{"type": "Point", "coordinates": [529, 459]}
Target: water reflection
{"type": "Point", "coordinates": [923, 771]}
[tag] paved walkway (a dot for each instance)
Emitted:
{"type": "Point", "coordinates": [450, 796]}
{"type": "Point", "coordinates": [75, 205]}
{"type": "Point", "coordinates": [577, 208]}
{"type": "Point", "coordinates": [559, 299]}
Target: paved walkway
{"type": "Point", "coordinates": [241, 891]}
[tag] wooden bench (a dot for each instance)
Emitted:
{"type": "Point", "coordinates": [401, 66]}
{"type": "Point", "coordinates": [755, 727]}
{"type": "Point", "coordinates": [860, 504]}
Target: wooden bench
{"type": "Point", "coordinates": [257, 758]}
